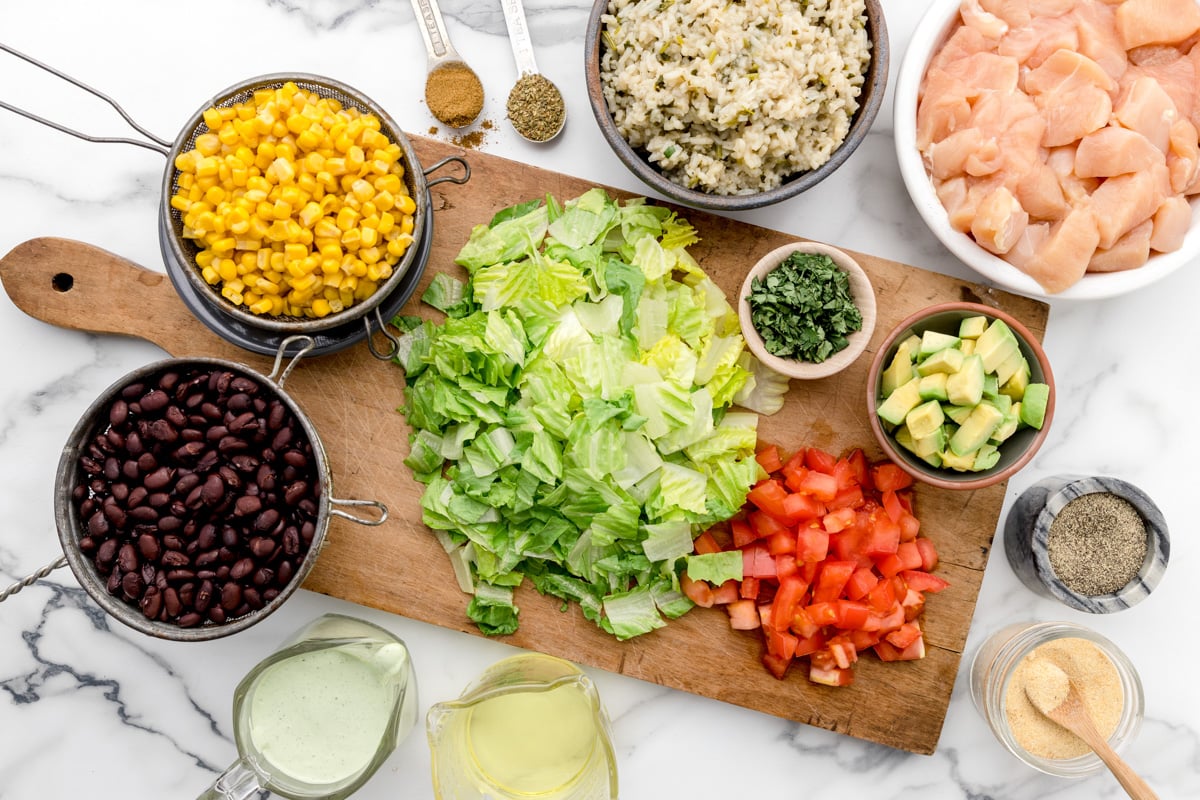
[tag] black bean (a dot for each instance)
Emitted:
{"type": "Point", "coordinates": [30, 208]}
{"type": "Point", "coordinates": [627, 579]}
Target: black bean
{"type": "Point", "coordinates": [97, 524]}
{"type": "Point", "coordinates": [294, 492]}
{"type": "Point", "coordinates": [118, 412]}
{"type": "Point", "coordinates": [106, 553]}
{"type": "Point", "coordinates": [247, 505]}
{"type": "Point", "coordinates": [189, 620]}
{"type": "Point", "coordinates": [151, 602]}
{"type": "Point", "coordinates": [154, 401]}
{"type": "Point", "coordinates": [149, 546]}
{"type": "Point", "coordinates": [158, 500]}
{"type": "Point", "coordinates": [172, 542]}
{"type": "Point", "coordinates": [172, 602]}
{"type": "Point", "coordinates": [112, 468]}
{"type": "Point", "coordinates": [174, 558]}
{"type": "Point", "coordinates": [131, 585]}
{"type": "Point", "coordinates": [231, 596]}
{"type": "Point", "coordinates": [168, 524]}
{"type": "Point", "coordinates": [241, 568]}
{"type": "Point", "coordinates": [176, 416]}
{"type": "Point", "coordinates": [133, 390]}
{"type": "Point", "coordinates": [267, 520]}
{"type": "Point", "coordinates": [213, 490]}
{"type": "Point", "coordinates": [204, 596]}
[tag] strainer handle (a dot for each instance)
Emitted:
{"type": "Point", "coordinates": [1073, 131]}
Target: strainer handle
{"type": "Point", "coordinates": [156, 144]}
{"type": "Point", "coordinates": [32, 579]}
{"type": "Point", "coordinates": [459, 179]}
{"type": "Point", "coordinates": [381, 511]}
{"type": "Point", "coordinates": [393, 340]}
{"type": "Point", "coordinates": [306, 343]}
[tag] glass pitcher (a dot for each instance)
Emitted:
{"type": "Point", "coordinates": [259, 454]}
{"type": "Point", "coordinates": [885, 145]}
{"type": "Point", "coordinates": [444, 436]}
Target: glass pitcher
{"type": "Point", "coordinates": [531, 726]}
{"type": "Point", "coordinates": [316, 718]}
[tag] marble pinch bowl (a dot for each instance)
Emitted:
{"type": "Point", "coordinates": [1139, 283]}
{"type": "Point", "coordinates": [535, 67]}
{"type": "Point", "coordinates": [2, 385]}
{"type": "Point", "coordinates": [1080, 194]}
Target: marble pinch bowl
{"type": "Point", "coordinates": [1016, 451]}
{"type": "Point", "coordinates": [1028, 524]}
{"type": "Point", "coordinates": [637, 160]}
{"type": "Point", "coordinates": [93, 425]}
{"type": "Point", "coordinates": [860, 288]}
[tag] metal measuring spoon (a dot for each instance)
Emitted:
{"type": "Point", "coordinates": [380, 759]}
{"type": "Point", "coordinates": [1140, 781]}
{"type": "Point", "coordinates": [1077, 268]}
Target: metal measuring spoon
{"type": "Point", "coordinates": [465, 107]}
{"type": "Point", "coordinates": [535, 105]}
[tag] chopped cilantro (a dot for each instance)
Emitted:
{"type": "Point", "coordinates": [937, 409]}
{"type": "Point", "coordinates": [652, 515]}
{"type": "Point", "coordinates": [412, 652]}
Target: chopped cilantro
{"type": "Point", "coordinates": [803, 309]}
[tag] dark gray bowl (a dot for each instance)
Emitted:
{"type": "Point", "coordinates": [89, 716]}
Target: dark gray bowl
{"type": "Point", "coordinates": [638, 162]}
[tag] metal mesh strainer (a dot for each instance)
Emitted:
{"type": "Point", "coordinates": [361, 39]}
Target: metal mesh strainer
{"type": "Point", "coordinates": [179, 253]}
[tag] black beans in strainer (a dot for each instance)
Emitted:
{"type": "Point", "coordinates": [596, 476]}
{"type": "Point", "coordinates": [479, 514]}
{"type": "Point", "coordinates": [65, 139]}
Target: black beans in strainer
{"type": "Point", "coordinates": [197, 496]}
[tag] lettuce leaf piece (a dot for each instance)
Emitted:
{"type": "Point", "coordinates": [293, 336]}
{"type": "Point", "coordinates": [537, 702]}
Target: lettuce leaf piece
{"type": "Point", "coordinates": [493, 611]}
{"type": "Point", "coordinates": [632, 613]}
{"type": "Point", "coordinates": [716, 568]}
{"type": "Point", "coordinates": [507, 240]}
{"type": "Point", "coordinates": [764, 388]}
{"type": "Point", "coordinates": [447, 295]}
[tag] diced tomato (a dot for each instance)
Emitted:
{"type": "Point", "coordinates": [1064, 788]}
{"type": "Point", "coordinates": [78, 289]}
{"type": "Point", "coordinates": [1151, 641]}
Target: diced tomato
{"type": "Point", "coordinates": [781, 643]}
{"type": "Point", "coordinates": [699, 592]}
{"type": "Point", "coordinates": [831, 580]}
{"type": "Point", "coordinates": [807, 645]}
{"type": "Point", "coordinates": [849, 497]}
{"type": "Point", "coordinates": [843, 651]}
{"type": "Point", "coordinates": [781, 542]}
{"type": "Point", "coordinates": [819, 485]}
{"type": "Point", "coordinates": [743, 615]}
{"type": "Point", "coordinates": [883, 596]}
{"type": "Point", "coordinates": [757, 562]}
{"type": "Point", "coordinates": [787, 601]}
{"type": "Point", "coordinates": [923, 582]}
{"type": "Point", "coordinates": [768, 496]}
{"type": "Point", "coordinates": [862, 581]}
{"type": "Point", "coordinates": [819, 460]}
{"type": "Point", "coordinates": [824, 613]}
{"type": "Point", "coordinates": [929, 554]}
{"type": "Point", "coordinates": [833, 563]}
{"type": "Point", "coordinates": [768, 458]}
{"type": "Point", "coordinates": [839, 519]}
{"type": "Point", "coordinates": [812, 544]}
{"type": "Point", "coordinates": [851, 614]}
{"type": "Point", "coordinates": [892, 505]}
{"type": "Point", "coordinates": [859, 469]}
{"type": "Point", "coordinates": [776, 665]}
{"type": "Point", "coordinates": [705, 543]}
{"type": "Point", "coordinates": [884, 537]}
{"type": "Point", "coordinates": [765, 524]}
{"type": "Point", "coordinates": [743, 534]}
{"type": "Point", "coordinates": [804, 625]}
{"type": "Point", "coordinates": [830, 677]}
{"type": "Point", "coordinates": [905, 635]}
{"type": "Point", "coordinates": [889, 652]}
{"type": "Point", "coordinates": [802, 507]}
{"type": "Point", "coordinates": [886, 476]}
{"type": "Point", "coordinates": [727, 592]}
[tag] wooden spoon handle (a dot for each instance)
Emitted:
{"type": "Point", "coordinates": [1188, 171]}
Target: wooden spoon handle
{"type": "Point", "coordinates": [1134, 785]}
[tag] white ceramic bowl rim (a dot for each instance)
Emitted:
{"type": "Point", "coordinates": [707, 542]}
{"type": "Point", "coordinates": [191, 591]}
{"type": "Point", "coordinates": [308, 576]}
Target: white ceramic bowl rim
{"type": "Point", "coordinates": [929, 35]}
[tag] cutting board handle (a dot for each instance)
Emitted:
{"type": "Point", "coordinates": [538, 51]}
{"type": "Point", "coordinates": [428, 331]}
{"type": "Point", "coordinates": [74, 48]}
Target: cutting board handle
{"type": "Point", "coordinates": [78, 286]}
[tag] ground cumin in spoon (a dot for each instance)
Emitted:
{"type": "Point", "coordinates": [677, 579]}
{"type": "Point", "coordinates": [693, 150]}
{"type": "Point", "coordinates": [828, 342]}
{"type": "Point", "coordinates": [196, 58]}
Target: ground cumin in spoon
{"type": "Point", "coordinates": [454, 94]}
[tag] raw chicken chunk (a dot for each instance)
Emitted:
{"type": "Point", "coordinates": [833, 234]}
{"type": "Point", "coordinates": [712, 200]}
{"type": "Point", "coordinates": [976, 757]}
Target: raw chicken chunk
{"type": "Point", "coordinates": [1156, 21]}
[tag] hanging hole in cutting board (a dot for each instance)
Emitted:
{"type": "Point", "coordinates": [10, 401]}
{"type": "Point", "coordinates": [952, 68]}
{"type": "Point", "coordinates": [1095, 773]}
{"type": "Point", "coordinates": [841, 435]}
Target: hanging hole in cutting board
{"type": "Point", "coordinates": [62, 282]}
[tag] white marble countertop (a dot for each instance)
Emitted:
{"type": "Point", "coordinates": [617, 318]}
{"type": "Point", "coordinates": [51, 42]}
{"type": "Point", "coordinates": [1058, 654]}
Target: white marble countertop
{"type": "Point", "coordinates": [91, 709]}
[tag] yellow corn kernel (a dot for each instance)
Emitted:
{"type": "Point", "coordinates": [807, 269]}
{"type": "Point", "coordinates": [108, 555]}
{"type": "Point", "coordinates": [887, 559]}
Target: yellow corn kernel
{"type": "Point", "coordinates": [281, 210]}
{"type": "Point", "coordinates": [208, 144]}
{"type": "Point", "coordinates": [180, 203]}
{"type": "Point", "coordinates": [214, 195]}
{"type": "Point", "coordinates": [352, 239]}
{"type": "Point", "coordinates": [397, 246]}
{"type": "Point", "coordinates": [232, 296]}
{"type": "Point", "coordinates": [210, 275]}
{"type": "Point", "coordinates": [331, 270]}
{"type": "Point", "coordinates": [281, 169]}
{"type": "Point", "coordinates": [386, 222]}
{"type": "Point", "coordinates": [320, 307]}
{"type": "Point", "coordinates": [335, 167]}
{"type": "Point", "coordinates": [363, 190]}
{"type": "Point", "coordinates": [368, 237]}
{"type": "Point", "coordinates": [294, 252]}
{"type": "Point", "coordinates": [346, 219]}
{"type": "Point", "coordinates": [227, 269]}
{"type": "Point", "coordinates": [263, 306]}
{"type": "Point", "coordinates": [405, 204]}
{"type": "Point", "coordinates": [310, 214]}
{"type": "Point", "coordinates": [406, 225]}
{"type": "Point", "coordinates": [293, 196]}
{"type": "Point", "coordinates": [370, 255]}
{"type": "Point", "coordinates": [212, 118]}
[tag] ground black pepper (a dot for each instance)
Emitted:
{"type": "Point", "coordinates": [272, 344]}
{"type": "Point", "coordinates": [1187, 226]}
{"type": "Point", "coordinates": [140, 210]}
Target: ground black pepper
{"type": "Point", "coordinates": [1097, 543]}
{"type": "Point", "coordinates": [535, 107]}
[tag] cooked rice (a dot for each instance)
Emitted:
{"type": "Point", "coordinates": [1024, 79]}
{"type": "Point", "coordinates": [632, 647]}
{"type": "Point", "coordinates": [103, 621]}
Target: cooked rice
{"type": "Point", "coordinates": [732, 97]}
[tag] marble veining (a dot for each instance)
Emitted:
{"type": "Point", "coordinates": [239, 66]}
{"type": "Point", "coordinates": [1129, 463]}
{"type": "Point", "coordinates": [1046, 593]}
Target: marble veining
{"type": "Point", "coordinates": [91, 709]}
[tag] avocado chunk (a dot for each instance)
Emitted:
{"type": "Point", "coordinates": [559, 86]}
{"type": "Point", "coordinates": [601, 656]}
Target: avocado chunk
{"type": "Point", "coordinates": [1033, 404]}
{"type": "Point", "coordinates": [995, 345]}
{"type": "Point", "coordinates": [897, 405]}
{"type": "Point", "coordinates": [1009, 367]}
{"type": "Point", "coordinates": [965, 387]}
{"type": "Point", "coordinates": [900, 371]}
{"type": "Point", "coordinates": [930, 445]}
{"type": "Point", "coordinates": [1014, 387]}
{"type": "Point", "coordinates": [967, 346]}
{"type": "Point", "coordinates": [961, 463]}
{"type": "Point", "coordinates": [933, 341]}
{"type": "Point", "coordinates": [957, 414]}
{"type": "Point", "coordinates": [976, 430]}
{"type": "Point", "coordinates": [986, 457]}
{"type": "Point", "coordinates": [972, 327]}
{"type": "Point", "coordinates": [948, 360]}
{"type": "Point", "coordinates": [933, 387]}
{"type": "Point", "coordinates": [1009, 426]}
{"type": "Point", "coordinates": [925, 419]}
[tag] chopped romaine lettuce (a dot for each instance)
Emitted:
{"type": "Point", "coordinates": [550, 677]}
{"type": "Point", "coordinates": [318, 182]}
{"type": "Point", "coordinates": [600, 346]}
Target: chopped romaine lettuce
{"type": "Point", "coordinates": [571, 428]}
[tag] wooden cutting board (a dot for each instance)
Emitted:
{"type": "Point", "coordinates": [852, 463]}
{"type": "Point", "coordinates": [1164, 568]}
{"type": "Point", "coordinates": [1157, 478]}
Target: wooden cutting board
{"type": "Point", "coordinates": [399, 567]}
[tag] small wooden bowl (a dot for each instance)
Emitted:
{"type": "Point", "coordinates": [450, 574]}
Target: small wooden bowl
{"type": "Point", "coordinates": [860, 289]}
{"type": "Point", "coordinates": [1016, 452]}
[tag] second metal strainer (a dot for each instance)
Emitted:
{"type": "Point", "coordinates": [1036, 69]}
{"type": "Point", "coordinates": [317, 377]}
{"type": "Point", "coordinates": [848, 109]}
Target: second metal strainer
{"type": "Point", "coordinates": [179, 253]}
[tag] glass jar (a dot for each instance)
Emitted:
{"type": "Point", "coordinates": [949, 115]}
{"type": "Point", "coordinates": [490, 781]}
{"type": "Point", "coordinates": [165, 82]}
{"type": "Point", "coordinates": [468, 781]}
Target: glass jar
{"type": "Point", "coordinates": [992, 669]}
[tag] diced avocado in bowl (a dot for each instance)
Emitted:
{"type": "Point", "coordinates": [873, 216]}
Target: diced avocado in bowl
{"type": "Point", "coordinates": [961, 396]}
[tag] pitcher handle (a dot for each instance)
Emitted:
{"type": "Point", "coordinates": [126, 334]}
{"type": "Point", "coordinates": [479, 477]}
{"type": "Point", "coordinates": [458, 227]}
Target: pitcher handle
{"type": "Point", "coordinates": [238, 782]}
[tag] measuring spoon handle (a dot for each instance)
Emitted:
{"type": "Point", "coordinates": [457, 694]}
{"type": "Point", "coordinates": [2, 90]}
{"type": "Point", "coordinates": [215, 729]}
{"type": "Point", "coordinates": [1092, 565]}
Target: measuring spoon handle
{"type": "Point", "coordinates": [518, 36]}
{"type": "Point", "coordinates": [433, 31]}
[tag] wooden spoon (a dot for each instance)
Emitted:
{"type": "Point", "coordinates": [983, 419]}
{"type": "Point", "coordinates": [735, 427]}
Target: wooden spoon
{"type": "Point", "coordinates": [1054, 694]}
